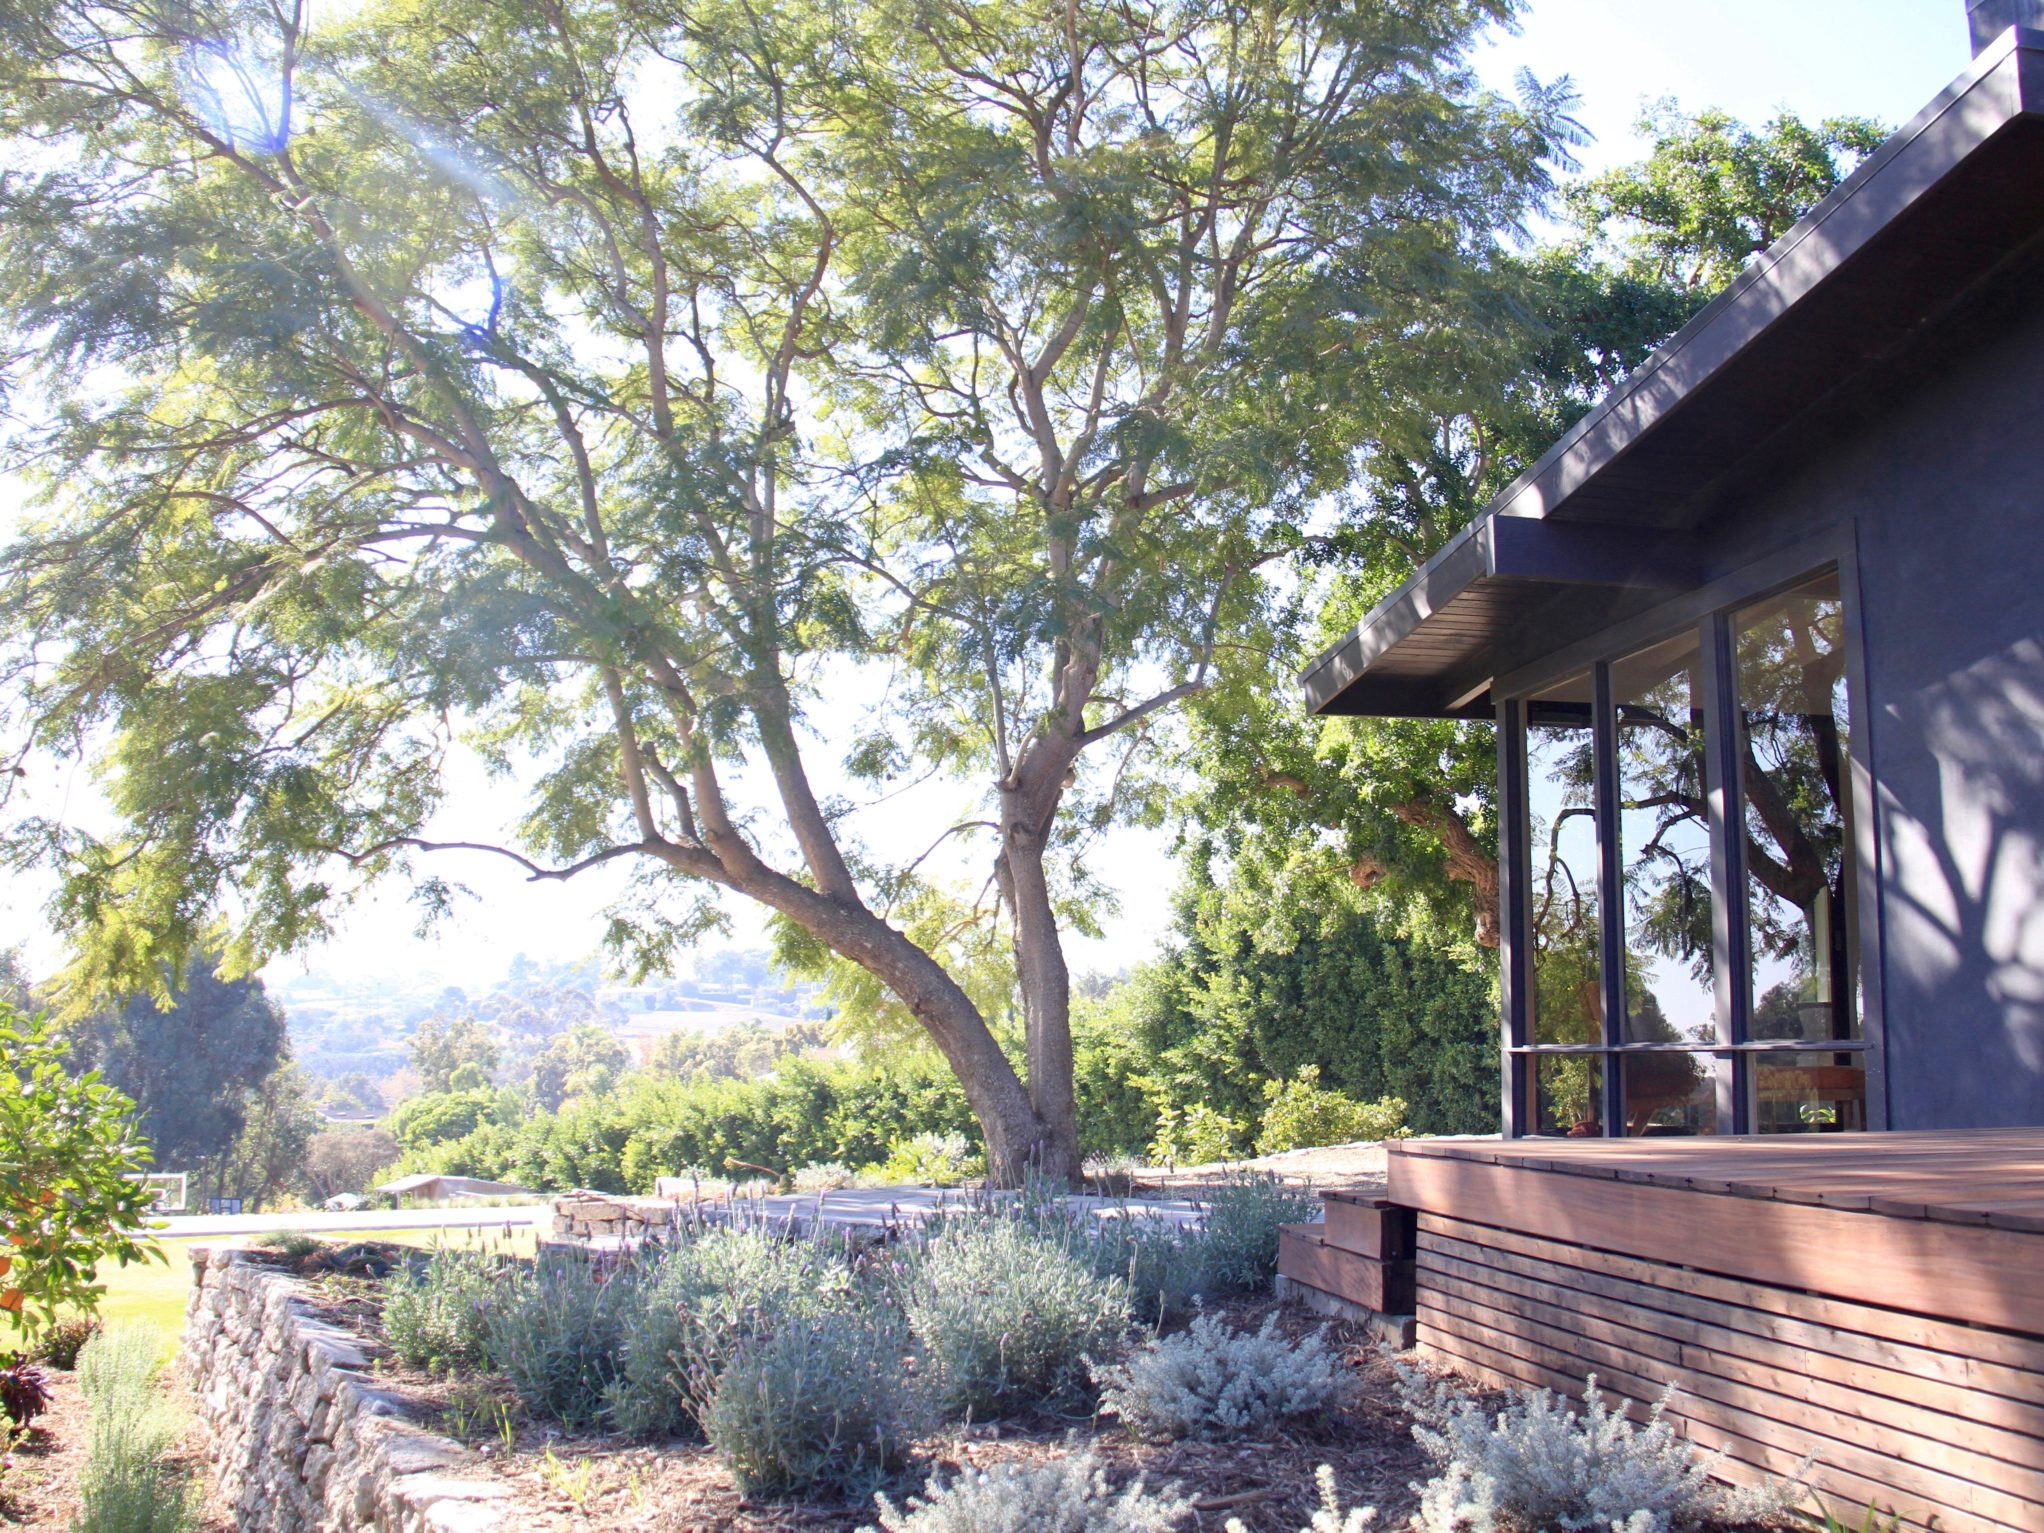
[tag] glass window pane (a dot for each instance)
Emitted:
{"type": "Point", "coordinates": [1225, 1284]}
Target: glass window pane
{"type": "Point", "coordinates": [1568, 1094]}
{"type": "Point", "coordinates": [1670, 1094]}
{"type": "Point", "coordinates": [1809, 1093]}
{"type": "Point", "coordinates": [1795, 741]}
{"type": "Point", "coordinates": [1664, 844]}
{"type": "Point", "coordinates": [1567, 1003]}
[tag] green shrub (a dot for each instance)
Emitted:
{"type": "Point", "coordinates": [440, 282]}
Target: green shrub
{"type": "Point", "coordinates": [1238, 1242]}
{"type": "Point", "coordinates": [126, 1485]}
{"type": "Point", "coordinates": [810, 1402]}
{"type": "Point", "coordinates": [705, 1297]}
{"type": "Point", "coordinates": [1196, 1135]}
{"type": "Point", "coordinates": [439, 1316]}
{"type": "Point", "coordinates": [1215, 1381]}
{"type": "Point", "coordinates": [1065, 1495]}
{"type": "Point", "coordinates": [1303, 1114]}
{"type": "Point", "coordinates": [933, 1160]}
{"type": "Point", "coordinates": [558, 1331]}
{"type": "Point", "coordinates": [1005, 1312]}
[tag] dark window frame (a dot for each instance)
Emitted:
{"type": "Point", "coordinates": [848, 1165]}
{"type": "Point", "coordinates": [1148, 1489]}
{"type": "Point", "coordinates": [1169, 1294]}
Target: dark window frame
{"type": "Point", "coordinates": [1708, 613]}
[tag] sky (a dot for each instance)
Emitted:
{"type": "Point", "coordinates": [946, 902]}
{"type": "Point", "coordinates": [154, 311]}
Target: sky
{"type": "Point", "coordinates": [1817, 58]}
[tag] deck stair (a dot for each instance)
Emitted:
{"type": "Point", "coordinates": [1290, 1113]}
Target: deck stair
{"type": "Point", "coordinates": [1356, 1262]}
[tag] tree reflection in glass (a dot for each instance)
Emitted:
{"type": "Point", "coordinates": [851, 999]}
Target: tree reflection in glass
{"type": "Point", "coordinates": [1795, 743]}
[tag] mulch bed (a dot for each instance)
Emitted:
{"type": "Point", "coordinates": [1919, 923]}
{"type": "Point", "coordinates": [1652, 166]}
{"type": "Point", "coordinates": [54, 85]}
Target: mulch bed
{"type": "Point", "coordinates": [1267, 1484]}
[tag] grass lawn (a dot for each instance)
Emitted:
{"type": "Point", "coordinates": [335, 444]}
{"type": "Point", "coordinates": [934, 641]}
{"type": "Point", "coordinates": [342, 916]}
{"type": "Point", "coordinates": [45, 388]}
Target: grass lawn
{"type": "Point", "coordinates": [152, 1294]}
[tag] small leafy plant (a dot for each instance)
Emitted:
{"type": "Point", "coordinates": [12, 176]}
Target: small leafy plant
{"type": "Point", "coordinates": [62, 1340]}
{"type": "Point", "coordinates": [1066, 1495]}
{"type": "Point", "coordinates": [24, 1391]}
{"type": "Point", "coordinates": [1328, 1517]}
{"type": "Point", "coordinates": [1195, 1136]}
{"type": "Point", "coordinates": [1215, 1381]}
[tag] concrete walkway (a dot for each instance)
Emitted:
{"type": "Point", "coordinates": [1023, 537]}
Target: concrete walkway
{"type": "Point", "coordinates": [515, 1216]}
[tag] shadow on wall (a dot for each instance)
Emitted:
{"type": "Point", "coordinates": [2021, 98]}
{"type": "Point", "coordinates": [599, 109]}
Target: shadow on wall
{"type": "Point", "coordinates": [1964, 896]}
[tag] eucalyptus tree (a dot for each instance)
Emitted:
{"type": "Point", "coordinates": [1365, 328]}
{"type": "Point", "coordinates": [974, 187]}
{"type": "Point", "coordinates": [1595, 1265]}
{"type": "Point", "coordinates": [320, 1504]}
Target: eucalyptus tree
{"type": "Point", "coordinates": [603, 384]}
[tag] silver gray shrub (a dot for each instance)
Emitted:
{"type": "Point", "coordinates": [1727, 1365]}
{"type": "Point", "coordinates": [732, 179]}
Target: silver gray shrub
{"type": "Point", "coordinates": [1328, 1517]}
{"type": "Point", "coordinates": [1005, 1313]}
{"type": "Point", "coordinates": [1065, 1495]}
{"type": "Point", "coordinates": [810, 1402]}
{"type": "Point", "coordinates": [1538, 1464]}
{"type": "Point", "coordinates": [1212, 1380]}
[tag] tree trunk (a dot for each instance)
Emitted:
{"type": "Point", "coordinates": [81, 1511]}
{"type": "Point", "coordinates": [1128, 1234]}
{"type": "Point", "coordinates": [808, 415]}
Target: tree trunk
{"type": "Point", "coordinates": [1046, 1002]}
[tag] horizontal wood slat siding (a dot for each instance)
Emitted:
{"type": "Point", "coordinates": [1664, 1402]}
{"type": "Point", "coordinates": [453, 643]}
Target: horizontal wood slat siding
{"type": "Point", "coordinates": [1913, 1412]}
{"type": "Point", "coordinates": [1383, 1286]}
{"type": "Point", "coordinates": [1367, 1226]}
{"type": "Point", "coordinates": [1976, 1273]}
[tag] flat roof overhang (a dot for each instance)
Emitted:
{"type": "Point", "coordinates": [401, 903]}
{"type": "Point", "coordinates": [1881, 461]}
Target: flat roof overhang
{"type": "Point", "coordinates": [1606, 523]}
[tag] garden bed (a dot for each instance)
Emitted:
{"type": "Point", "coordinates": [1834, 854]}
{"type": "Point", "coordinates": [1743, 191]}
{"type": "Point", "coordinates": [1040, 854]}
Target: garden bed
{"type": "Point", "coordinates": [560, 1480]}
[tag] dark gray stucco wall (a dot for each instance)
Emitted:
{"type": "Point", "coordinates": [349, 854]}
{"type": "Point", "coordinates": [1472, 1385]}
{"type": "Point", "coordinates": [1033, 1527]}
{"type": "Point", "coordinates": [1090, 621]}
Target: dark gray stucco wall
{"type": "Point", "coordinates": [1938, 471]}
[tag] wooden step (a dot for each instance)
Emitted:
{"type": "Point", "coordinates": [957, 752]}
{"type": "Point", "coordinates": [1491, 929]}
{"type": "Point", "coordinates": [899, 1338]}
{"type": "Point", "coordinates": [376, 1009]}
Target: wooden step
{"type": "Point", "coordinates": [1385, 1286]}
{"type": "Point", "coordinates": [1367, 1226]}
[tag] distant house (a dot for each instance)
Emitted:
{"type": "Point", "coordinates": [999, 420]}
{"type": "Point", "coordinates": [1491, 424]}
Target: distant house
{"type": "Point", "coordinates": [435, 1188]}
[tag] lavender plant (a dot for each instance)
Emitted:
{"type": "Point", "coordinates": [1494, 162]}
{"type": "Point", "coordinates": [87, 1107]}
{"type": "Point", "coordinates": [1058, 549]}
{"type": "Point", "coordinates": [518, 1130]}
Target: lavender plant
{"type": "Point", "coordinates": [1215, 1381]}
{"type": "Point", "coordinates": [1005, 1311]}
{"type": "Point", "coordinates": [810, 1402]}
{"type": "Point", "coordinates": [438, 1316]}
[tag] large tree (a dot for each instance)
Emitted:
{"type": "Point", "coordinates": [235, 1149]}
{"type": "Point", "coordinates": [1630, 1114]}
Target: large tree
{"type": "Point", "coordinates": [605, 382]}
{"type": "Point", "coordinates": [1649, 243]}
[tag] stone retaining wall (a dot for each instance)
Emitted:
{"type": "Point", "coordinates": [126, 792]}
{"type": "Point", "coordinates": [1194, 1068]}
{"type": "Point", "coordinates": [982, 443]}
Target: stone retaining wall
{"type": "Point", "coordinates": [301, 1438]}
{"type": "Point", "coordinates": [599, 1216]}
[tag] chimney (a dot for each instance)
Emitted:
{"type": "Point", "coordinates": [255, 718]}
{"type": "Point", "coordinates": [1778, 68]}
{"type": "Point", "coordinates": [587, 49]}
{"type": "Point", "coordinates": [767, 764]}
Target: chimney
{"type": "Point", "coordinates": [1988, 19]}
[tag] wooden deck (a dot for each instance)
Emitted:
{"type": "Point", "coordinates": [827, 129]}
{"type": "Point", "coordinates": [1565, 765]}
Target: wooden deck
{"type": "Point", "coordinates": [1874, 1300]}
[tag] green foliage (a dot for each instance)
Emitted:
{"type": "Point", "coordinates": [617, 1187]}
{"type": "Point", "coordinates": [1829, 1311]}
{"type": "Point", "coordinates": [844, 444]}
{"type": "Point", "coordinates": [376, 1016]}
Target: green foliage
{"type": "Point", "coordinates": [1714, 193]}
{"type": "Point", "coordinates": [127, 1484]}
{"type": "Point", "coordinates": [593, 448]}
{"type": "Point", "coordinates": [1195, 1135]}
{"type": "Point", "coordinates": [1282, 965]}
{"type": "Point", "coordinates": [557, 1332]}
{"type": "Point", "coordinates": [1165, 1267]}
{"type": "Point", "coordinates": [438, 1316]}
{"type": "Point", "coordinates": [193, 1054]}
{"type": "Point", "coordinates": [68, 1197]}
{"type": "Point", "coordinates": [445, 1046]}
{"type": "Point", "coordinates": [809, 1111]}
{"type": "Point", "coordinates": [1005, 1310]}
{"type": "Point", "coordinates": [1872, 1520]}
{"type": "Point", "coordinates": [1302, 1114]}
{"type": "Point", "coordinates": [811, 1402]}
{"type": "Point", "coordinates": [1239, 1236]}
{"type": "Point", "coordinates": [933, 1160]}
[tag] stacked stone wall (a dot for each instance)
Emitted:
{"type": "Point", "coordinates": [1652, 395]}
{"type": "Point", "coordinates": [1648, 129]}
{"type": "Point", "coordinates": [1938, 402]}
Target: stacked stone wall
{"type": "Point", "coordinates": [595, 1217]}
{"type": "Point", "coordinates": [301, 1437]}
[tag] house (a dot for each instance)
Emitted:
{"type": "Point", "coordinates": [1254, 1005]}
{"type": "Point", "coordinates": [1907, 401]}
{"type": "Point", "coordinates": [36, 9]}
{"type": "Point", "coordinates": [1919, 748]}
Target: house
{"type": "Point", "coordinates": [1763, 641]}
{"type": "Point", "coordinates": [435, 1187]}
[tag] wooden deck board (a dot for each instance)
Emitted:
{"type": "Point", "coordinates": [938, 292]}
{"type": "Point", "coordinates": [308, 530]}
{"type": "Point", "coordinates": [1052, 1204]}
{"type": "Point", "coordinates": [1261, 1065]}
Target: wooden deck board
{"type": "Point", "coordinates": [1937, 1224]}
